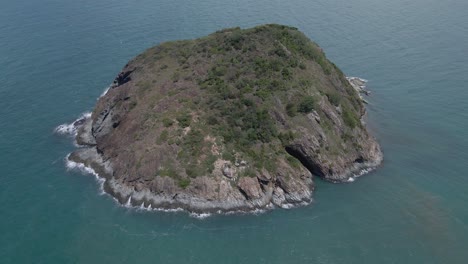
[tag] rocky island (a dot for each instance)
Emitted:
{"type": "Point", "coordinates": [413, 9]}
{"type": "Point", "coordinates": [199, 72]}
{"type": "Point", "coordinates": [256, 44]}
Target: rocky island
{"type": "Point", "coordinates": [238, 120]}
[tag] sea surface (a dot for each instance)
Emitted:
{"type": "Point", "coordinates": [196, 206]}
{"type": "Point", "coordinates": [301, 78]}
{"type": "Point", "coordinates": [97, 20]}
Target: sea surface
{"type": "Point", "coordinates": [57, 57]}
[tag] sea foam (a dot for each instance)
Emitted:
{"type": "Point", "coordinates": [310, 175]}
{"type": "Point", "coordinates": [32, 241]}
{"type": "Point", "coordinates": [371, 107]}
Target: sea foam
{"type": "Point", "coordinates": [105, 91]}
{"type": "Point", "coordinates": [72, 128]}
{"type": "Point", "coordinates": [200, 216]}
{"type": "Point", "coordinates": [71, 165]}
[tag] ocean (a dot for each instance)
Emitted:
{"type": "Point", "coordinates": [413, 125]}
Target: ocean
{"type": "Point", "coordinates": [57, 57]}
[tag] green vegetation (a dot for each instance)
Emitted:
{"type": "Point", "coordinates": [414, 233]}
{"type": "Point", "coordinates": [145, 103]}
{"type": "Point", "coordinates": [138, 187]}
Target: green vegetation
{"type": "Point", "coordinates": [291, 109]}
{"type": "Point", "coordinates": [192, 142]}
{"type": "Point", "coordinates": [167, 122]}
{"type": "Point", "coordinates": [162, 137]}
{"type": "Point", "coordinates": [167, 172]}
{"type": "Point", "coordinates": [350, 118]}
{"type": "Point", "coordinates": [293, 161]}
{"type": "Point", "coordinates": [286, 137]}
{"type": "Point", "coordinates": [237, 93]}
{"type": "Point", "coordinates": [307, 104]}
{"type": "Point", "coordinates": [184, 119]}
{"type": "Point", "coordinates": [184, 183]}
{"type": "Point", "coordinates": [334, 98]}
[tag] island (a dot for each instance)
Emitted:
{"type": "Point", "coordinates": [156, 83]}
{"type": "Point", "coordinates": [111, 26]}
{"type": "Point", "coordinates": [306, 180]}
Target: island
{"type": "Point", "coordinates": [239, 120]}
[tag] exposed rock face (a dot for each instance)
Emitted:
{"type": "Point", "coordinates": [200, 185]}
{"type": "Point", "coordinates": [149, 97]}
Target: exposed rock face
{"type": "Point", "coordinates": [238, 120]}
{"type": "Point", "coordinates": [250, 187]}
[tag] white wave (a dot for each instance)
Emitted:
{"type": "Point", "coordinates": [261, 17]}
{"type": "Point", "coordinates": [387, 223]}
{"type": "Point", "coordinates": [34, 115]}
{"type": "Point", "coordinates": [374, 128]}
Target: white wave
{"type": "Point", "coordinates": [128, 204]}
{"type": "Point", "coordinates": [351, 179]}
{"type": "Point", "coordinates": [72, 128]}
{"type": "Point", "coordinates": [294, 205]}
{"type": "Point", "coordinates": [105, 91]}
{"type": "Point", "coordinates": [363, 171]}
{"type": "Point", "coordinates": [200, 216]}
{"type": "Point", "coordinates": [65, 129]}
{"type": "Point", "coordinates": [142, 208]}
{"type": "Point", "coordinates": [71, 165]}
{"type": "Point", "coordinates": [357, 78]}
{"type": "Point", "coordinates": [168, 210]}
{"type": "Point", "coordinates": [287, 206]}
{"type": "Point", "coordinates": [258, 211]}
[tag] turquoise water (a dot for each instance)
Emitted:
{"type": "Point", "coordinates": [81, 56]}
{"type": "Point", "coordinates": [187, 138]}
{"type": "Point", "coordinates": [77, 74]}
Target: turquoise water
{"type": "Point", "coordinates": [56, 58]}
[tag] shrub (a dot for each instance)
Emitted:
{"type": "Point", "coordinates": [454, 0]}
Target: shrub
{"type": "Point", "coordinates": [236, 39]}
{"type": "Point", "coordinates": [291, 109]}
{"type": "Point", "coordinates": [293, 63]}
{"type": "Point", "coordinates": [287, 74]}
{"type": "Point", "coordinates": [276, 85]}
{"type": "Point", "coordinates": [279, 51]}
{"type": "Point", "coordinates": [162, 138]}
{"type": "Point", "coordinates": [175, 76]}
{"type": "Point", "coordinates": [295, 163]}
{"type": "Point", "coordinates": [276, 65]}
{"type": "Point", "coordinates": [247, 102]}
{"type": "Point", "coordinates": [191, 172]}
{"type": "Point", "coordinates": [184, 120]}
{"type": "Point", "coordinates": [334, 98]}
{"type": "Point", "coordinates": [228, 156]}
{"type": "Point", "coordinates": [184, 183]}
{"type": "Point", "coordinates": [350, 118]}
{"type": "Point", "coordinates": [307, 104]}
{"type": "Point", "coordinates": [212, 120]}
{"type": "Point", "coordinates": [286, 137]}
{"type": "Point", "coordinates": [208, 163]}
{"type": "Point", "coordinates": [167, 122]}
{"type": "Point", "coordinates": [218, 71]}
{"type": "Point", "coordinates": [193, 143]}
{"type": "Point", "coordinates": [166, 172]}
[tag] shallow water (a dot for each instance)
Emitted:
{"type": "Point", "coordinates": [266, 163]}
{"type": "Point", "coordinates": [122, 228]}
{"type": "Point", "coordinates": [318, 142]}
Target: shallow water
{"type": "Point", "coordinates": [57, 57]}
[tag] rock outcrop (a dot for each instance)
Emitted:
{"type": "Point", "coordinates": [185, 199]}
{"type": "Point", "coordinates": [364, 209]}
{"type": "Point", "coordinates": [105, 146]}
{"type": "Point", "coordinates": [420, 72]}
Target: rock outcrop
{"type": "Point", "coordinates": [237, 120]}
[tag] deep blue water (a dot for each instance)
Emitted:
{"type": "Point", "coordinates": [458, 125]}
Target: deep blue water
{"type": "Point", "coordinates": [57, 56]}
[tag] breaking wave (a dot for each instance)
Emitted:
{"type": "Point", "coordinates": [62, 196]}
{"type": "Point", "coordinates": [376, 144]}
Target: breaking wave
{"type": "Point", "coordinates": [357, 78]}
{"type": "Point", "coordinates": [200, 216]}
{"type": "Point", "coordinates": [105, 91]}
{"type": "Point", "coordinates": [71, 165]}
{"type": "Point", "coordinates": [72, 128]}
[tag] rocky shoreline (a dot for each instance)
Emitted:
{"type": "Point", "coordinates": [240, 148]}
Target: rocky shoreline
{"type": "Point", "coordinates": [359, 85]}
{"type": "Point", "coordinates": [238, 121]}
{"type": "Point", "coordinates": [144, 198]}
{"type": "Point", "coordinates": [88, 156]}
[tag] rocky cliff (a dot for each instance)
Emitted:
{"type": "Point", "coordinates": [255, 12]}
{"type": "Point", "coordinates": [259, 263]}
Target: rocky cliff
{"type": "Point", "coordinates": [237, 120]}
